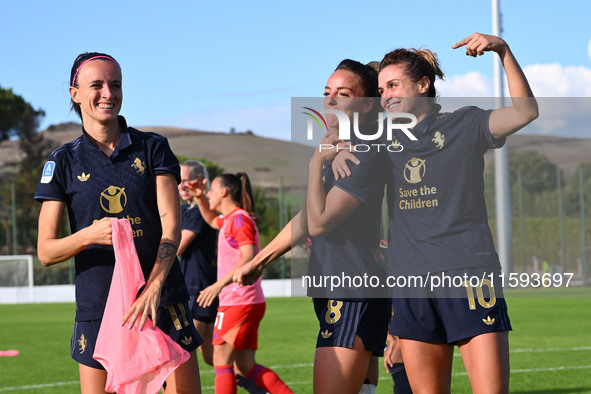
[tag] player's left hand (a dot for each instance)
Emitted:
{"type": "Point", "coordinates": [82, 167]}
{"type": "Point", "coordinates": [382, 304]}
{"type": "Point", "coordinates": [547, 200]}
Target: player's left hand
{"type": "Point", "coordinates": [479, 43]}
{"type": "Point", "coordinates": [145, 305]}
{"type": "Point", "coordinates": [208, 295]}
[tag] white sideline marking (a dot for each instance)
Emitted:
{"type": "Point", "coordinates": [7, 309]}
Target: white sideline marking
{"type": "Point", "coordinates": [39, 386]}
{"type": "Point", "coordinates": [550, 369]}
{"type": "Point", "coordinates": [543, 350]}
{"type": "Point", "coordinates": [551, 349]}
{"type": "Point", "coordinates": [304, 365]}
{"type": "Point", "coordinates": [527, 370]}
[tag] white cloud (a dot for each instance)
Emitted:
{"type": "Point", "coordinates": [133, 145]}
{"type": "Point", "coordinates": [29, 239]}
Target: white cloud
{"type": "Point", "coordinates": [563, 96]}
{"type": "Point", "coordinates": [546, 80]}
{"type": "Point", "coordinates": [472, 84]}
{"type": "Point", "coordinates": [556, 80]}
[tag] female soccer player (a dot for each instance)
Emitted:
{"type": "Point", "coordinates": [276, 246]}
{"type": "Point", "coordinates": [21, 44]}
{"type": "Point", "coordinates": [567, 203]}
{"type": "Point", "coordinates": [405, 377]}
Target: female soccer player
{"type": "Point", "coordinates": [345, 230]}
{"type": "Point", "coordinates": [197, 255]}
{"type": "Point", "coordinates": [438, 220]}
{"type": "Point", "coordinates": [240, 311]}
{"type": "Point", "coordinates": [113, 170]}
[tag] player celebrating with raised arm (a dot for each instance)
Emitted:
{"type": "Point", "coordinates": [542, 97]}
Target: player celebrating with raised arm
{"type": "Point", "coordinates": [438, 220]}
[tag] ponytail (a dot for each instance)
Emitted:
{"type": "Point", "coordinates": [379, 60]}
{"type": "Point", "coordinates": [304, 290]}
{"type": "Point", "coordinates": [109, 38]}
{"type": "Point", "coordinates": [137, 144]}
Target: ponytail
{"type": "Point", "coordinates": [240, 192]}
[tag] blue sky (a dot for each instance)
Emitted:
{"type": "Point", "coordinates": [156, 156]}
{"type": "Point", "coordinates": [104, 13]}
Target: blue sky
{"type": "Point", "coordinates": [237, 64]}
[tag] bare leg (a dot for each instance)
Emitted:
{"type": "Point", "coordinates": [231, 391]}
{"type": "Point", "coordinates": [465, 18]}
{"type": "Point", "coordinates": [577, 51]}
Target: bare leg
{"type": "Point", "coordinates": [92, 380]}
{"type": "Point", "coordinates": [205, 330]}
{"type": "Point", "coordinates": [489, 374]}
{"type": "Point", "coordinates": [244, 361]}
{"type": "Point", "coordinates": [185, 379]}
{"type": "Point", "coordinates": [428, 366]}
{"type": "Point", "coordinates": [340, 370]}
{"type": "Point", "coordinates": [373, 373]}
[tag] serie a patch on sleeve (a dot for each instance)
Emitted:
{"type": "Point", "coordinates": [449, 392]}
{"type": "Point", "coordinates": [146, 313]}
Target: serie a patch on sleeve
{"type": "Point", "coordinates": [47, 174]}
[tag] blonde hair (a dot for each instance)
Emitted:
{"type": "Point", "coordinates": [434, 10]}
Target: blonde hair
{"type": "Point", "coordinates": [196, 169]}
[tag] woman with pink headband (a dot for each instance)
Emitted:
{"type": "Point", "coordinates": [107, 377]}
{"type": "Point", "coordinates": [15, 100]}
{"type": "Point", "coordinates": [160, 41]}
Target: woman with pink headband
{"type": "Point", "coordinates": [113, 170]}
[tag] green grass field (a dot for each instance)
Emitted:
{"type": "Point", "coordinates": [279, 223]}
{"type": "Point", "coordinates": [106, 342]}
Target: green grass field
{"type": "Point", "coordinates": [550, 347]}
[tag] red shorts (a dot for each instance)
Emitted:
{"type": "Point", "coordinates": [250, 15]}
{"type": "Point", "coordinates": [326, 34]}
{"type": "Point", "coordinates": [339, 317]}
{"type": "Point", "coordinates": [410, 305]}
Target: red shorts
{"type": "Point", "coordinates": [238, 325]}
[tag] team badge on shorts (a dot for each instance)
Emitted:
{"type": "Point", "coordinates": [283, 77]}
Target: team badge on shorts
{"type": "Point", "coordinates": [82, 343]}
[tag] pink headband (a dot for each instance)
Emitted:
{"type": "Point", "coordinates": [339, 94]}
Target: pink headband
{"type": "Point", "coordinates": [92, 58]}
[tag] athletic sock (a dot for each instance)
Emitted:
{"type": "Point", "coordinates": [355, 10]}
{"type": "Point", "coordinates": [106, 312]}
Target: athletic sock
{"type": "Point", "coordinates": [368, 388]}
{"type": "Point", "coordinates": [268, 380]}
{"type": "Point", "coordinates": [401, 385]}
{"type": "Point", "coordinates": [249, 385]}
{"type": "Point", "coordinates": [225, 380]}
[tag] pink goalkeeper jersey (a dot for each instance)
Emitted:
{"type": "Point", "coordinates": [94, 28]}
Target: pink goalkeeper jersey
{"type": "Point", "coordinates": [136, 361]}
{"type": "Point", "coordinates": [229, 256]}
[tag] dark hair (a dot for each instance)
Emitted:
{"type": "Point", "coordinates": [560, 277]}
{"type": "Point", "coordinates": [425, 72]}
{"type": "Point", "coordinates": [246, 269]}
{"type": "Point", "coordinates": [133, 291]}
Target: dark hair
{"type": "Point", "coordinates": [83, 57]}
{"type": "Point", "coordinates": [238, 186]}
{"type": "Point", "coordinates": [367, 73]}
{"type": "Point", "coordinates": [419, 63]}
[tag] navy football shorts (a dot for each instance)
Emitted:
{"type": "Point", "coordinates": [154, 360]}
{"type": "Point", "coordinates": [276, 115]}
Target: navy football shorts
{"type": "Point", "coordinates": [340, 321]}
{"type": "Point", "coordinates": [205, 315]}
{"type": "Point", "coordinates": [478, 308]}
{"type": "Point", "coordinates": [171, 319]}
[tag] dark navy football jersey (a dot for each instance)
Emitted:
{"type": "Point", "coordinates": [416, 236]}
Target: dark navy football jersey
{"type": "Point", "coordinates": [198, 262]}
{"type": "Point", "coordinates": [351, 249]}
{"type": "Point", "coordinates": [94, 186]}
{"type": "Point", "coordinates": [438, 218]}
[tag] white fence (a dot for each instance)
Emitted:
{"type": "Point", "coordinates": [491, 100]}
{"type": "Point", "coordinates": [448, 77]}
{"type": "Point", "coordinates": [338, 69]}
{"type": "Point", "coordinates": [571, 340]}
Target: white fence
{"type": "Point", "coordinates": [65, 293]}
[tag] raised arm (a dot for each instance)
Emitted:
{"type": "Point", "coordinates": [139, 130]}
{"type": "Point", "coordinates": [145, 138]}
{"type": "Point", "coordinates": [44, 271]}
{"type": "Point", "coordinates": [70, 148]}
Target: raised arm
{"type": "Point", "coordinates": [197, 190]}
{"type": "Point", "coordinates": [325, 211]}
{"type": "Point", "coordinates": [169, 210]}
{"type": "Point", "coordinates": [505, 121]}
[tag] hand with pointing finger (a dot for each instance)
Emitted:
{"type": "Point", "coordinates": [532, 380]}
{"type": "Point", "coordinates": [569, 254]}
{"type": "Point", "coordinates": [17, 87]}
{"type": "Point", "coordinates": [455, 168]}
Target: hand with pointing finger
{"type": "Point", "coordinates": [478, 43]}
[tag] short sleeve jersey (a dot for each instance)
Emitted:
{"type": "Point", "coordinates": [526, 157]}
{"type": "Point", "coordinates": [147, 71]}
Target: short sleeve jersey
{"type": "Point", "coordinates": [352, 247]}
{"type": "Point", "coordinates": [438, 218]}
{"type": "Point", "coordinates": [237, 229]}
{"type": "Point", "coordinates": [240, 231]}
{"type": "Point", "coordinates": [93, 186]}
{"type": "Point", "coordinates": [198, 262]}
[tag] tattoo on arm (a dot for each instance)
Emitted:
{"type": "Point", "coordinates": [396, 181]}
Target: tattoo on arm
{"type": "Point", "coordinates": [163, 215]}
{"type": "Point", "coordinates": [167, 251]}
